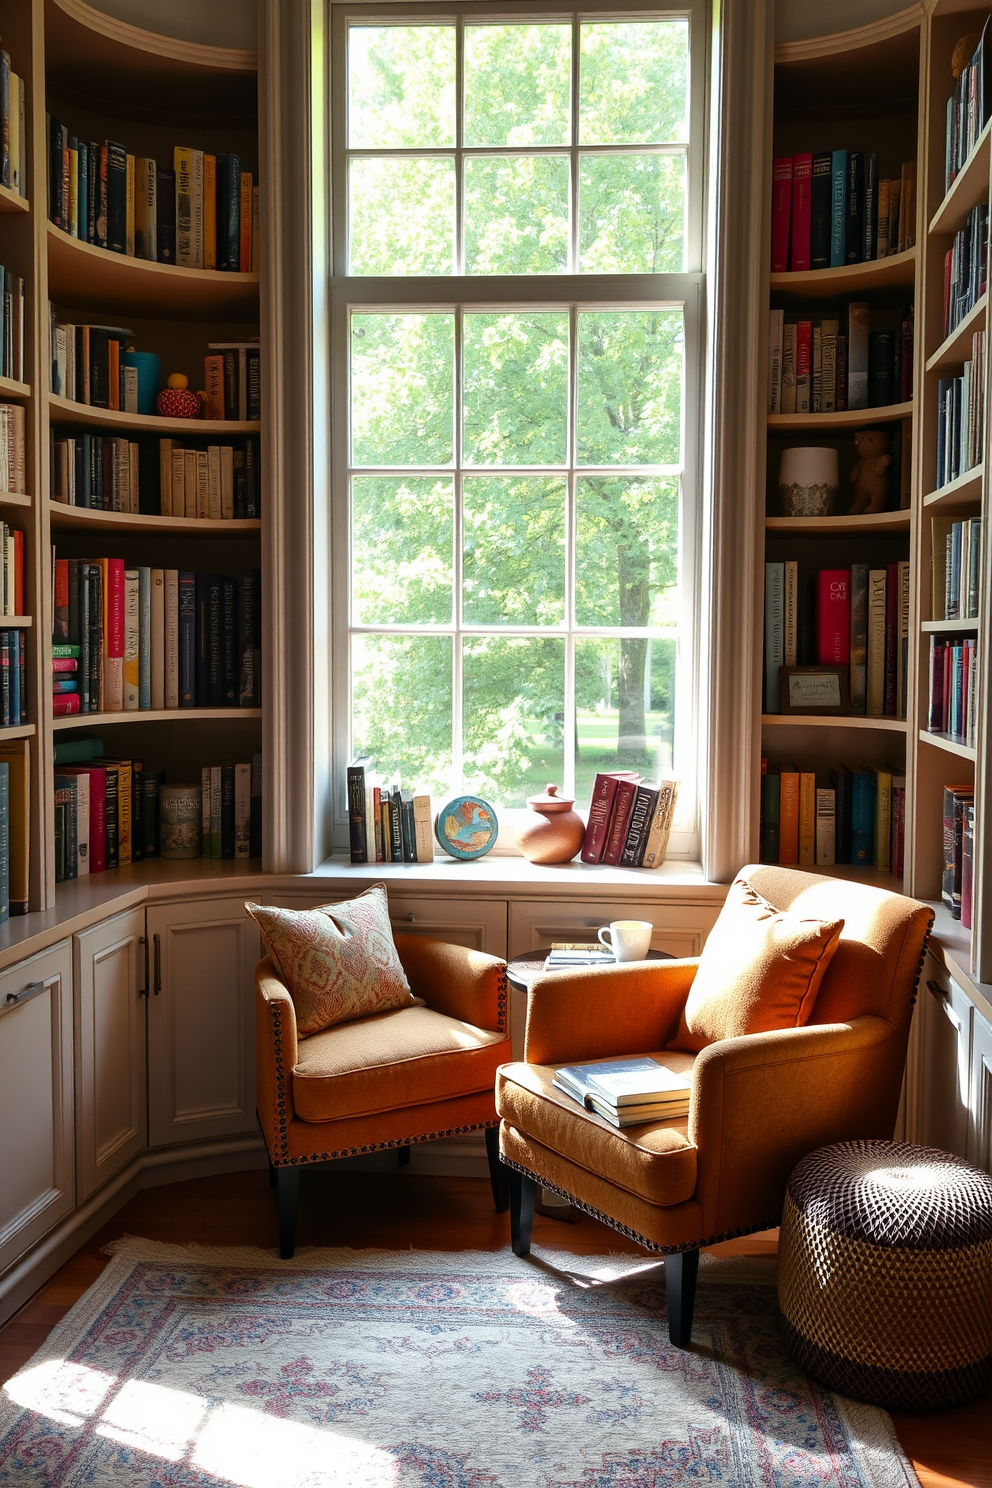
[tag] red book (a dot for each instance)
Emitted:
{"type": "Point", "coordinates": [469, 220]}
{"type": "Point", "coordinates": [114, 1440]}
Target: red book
{"type": "Point", "coordinates": [19, 573]}
{"type": "Point", "coordinates": [66, 702]}
{"type": "Point", "coordinates": [840, 394]}
{"type": "Point", "coordinates": [60, 599]}
{"type": "Point", "coordinates": [64, 664]}
{"type": "Point", "coordinates": [891, 637]}
{"type": "Point", "coordinates": [802, 182]}
{"type": "Point", "coordinates": [898, 830]}
{"type": "Point", "coordinates": [623, 805]}
{"type": "Point", "coordinates": [600, 808]}
{"type": "Point", "coordinates": [98, 813]}
{"type": "Point", "coordinates": [781, 211]}
{"type": "Point", "coordinates": [833, 617]}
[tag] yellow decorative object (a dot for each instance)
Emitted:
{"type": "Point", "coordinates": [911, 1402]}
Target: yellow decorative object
{"type": "Point", "coordinates": [963, 52]}
{"type": "Point", "coordinates": [177, 380]}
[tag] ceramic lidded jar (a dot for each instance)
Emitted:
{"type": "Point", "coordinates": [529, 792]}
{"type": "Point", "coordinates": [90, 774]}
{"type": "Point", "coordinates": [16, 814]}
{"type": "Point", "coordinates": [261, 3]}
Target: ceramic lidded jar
{"type": "Point", "coordinates": [552, 832]}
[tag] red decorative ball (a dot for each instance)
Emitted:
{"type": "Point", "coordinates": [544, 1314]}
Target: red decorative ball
{"type": "Point", "coordinates": [178, 403]}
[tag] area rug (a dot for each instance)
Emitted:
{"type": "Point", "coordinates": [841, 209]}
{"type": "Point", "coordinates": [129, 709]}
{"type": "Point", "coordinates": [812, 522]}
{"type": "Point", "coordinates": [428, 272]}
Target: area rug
{"type": "Point", "coordinates": [194, 1368]}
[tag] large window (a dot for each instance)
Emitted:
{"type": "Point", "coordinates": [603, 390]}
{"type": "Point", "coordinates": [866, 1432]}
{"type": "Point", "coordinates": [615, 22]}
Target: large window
{"type": "Point", "coordinates": [516, 322]}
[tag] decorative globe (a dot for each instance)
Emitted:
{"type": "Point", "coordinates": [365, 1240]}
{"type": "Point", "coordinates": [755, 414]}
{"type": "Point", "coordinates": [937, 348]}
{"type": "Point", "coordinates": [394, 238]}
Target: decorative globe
{"type": "Point", "coordinates": [466, 827]}
{"type": "Point", "coordinates": [176, 400]}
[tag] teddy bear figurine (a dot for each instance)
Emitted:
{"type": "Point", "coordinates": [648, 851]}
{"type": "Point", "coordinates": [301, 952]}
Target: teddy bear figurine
{"type": "Point", "coordinates": [869, 475]}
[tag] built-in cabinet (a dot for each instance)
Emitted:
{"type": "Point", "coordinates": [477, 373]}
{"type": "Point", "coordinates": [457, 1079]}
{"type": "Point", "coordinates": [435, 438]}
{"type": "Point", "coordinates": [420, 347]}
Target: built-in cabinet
{"type": "Point", "coordinates": [952, 1052]}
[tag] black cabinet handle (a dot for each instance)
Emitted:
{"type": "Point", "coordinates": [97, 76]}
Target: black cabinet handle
{"type": "Point", "coordinates": [157, 942]}
{"type": "Point", "coordinates": [17, 999]}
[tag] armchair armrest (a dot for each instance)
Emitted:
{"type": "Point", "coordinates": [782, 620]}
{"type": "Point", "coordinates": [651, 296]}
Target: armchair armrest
{"type": "Point", "coordinates": [604, 1012]}
{"type": "Point", "coordinates": [275, 1056]}
{"type": "Point", "coordinates": [452, 979]}
{"type": "Point", "coordinates": [761, 1102]}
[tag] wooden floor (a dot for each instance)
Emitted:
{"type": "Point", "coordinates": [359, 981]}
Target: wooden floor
{"type": "Point", "coordinates": [950, 1449]}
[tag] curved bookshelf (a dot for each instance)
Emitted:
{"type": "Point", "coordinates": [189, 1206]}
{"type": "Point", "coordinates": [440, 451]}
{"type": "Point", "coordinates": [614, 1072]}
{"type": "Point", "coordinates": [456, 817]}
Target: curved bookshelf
{"type": "Point", "coordinates": [851, 418]}
{"type": "Point", "coordinates": [10, 201]}
{"type": "Point", "coordinates": [837, 721]}
{"type": "Point", "coordinates": [967, 487]}
{"type": "Point", "coordinates": [89, 519]}
{"type": "Point", "coordinates": [969, 187]}
{"type": "Point", "coordinates": [840, 43]}
{"type": "Point", "coordinates": [888, 521]}
{"type": "Point", "coordinates": [898, 269]}
{"type": "Point", "coordinates": [14, 498]}
{"type": "Point", "coordinates": [64, 410]}
{"type": "Point", "coordinates": [949, 745]}
{"type": "Point", "coordinates": [156, 715]}
{"type": "Point", "coordinates": [957, 346]}
{"type": "Point", "coordinates": [11, 388]}
{"type": "Point", "coordinates": [89, 277]}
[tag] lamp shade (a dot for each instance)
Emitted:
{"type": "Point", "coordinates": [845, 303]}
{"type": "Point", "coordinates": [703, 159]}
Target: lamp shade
{"type": "Point", "coordinates": [808, 481]}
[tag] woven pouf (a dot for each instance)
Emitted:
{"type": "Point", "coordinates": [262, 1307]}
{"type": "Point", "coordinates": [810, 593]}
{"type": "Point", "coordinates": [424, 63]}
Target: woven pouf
{"type": "Point", "coordinates": [885, 1274]}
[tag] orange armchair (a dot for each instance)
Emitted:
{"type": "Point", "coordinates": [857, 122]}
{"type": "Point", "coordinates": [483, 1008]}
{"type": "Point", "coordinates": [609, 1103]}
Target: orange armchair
{"type": "Point", "coordinates": [758, 1104]}
{"type": "Point", "coordinates": [387, 1080]}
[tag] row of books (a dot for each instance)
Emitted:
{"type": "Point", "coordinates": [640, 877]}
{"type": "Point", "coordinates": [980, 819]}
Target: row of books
{"type": "Point", "coordinates": [629, 821]}
{"type": "Point", "coordinates": [152, 638]}
{"type": "Point", "coordinates": [13, 129]}
{"type": "Point", "coordinates": [387, 824]}
{"type": "Point", "coordinates": [961, 417]}
{"type": "Point", "coordinates": [952, 706]}
{"type": "Point", "coordinates": [627, 1092]}
{"type": "Point", "coordinates": [966, 270]}
{"type": "Point", "coordinates": [858, 817]}
{"type": "Point", "coordinates": [157, 477]}
{"type": "Point", "coordinates": [856, 618]}
{"type": "Point", "coordinates": [108, 813]}
{"type": "Point", "coordinates": [12, 447]}
{"type": "Point", "coordinates": [199, 213]}
{"type": "Point", "coordinates": [232, 380]}
{"type": "Point", "coordinates": [11, 325]}
{"type": "Point", "coordinates": [13, 678]}
{"type": "Point", "coordinates": [11, 570]}
{"type": "Point", "coordinates": [830, 209]}
{"type": "Point", "coordinates": [968, 110]}
{"type": "Point", "coordinates": [815, 366]}
{"type": "Point", "coordinates": [957, 876]}
{"type": "Point", "coordinates": [955, 568]}
{"type": "Point", "coordinates": [15, 819]}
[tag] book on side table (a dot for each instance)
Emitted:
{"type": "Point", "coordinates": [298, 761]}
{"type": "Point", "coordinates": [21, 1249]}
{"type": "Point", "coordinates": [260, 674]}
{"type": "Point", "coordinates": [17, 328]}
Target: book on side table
{"type": "Point", "coordinates": [626, 1092]}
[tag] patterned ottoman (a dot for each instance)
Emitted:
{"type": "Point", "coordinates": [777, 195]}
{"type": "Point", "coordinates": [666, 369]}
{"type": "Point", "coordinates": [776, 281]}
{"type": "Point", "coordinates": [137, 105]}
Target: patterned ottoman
{"type": "Point", "coordinates": [885, 1273]}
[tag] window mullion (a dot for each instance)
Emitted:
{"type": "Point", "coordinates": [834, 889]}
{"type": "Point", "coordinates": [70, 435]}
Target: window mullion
{"type": "Point", "coordinates": [457, 742]}
{"type": "Point", "coordinates": [573, 169]}
{"type": "Point", "coordinates": [459, 142]}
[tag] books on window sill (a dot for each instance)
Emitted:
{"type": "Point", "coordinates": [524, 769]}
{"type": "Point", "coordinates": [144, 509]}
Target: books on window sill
{"type": "Point", "coordinates": [850, 814]}
{"type": "Point", "coordinates": [630, 820]}
{"type": "Point", "coordinates": [959, 849]}
{"type": "Point", "coordinates": [13, 130]}
{"type": "Point", "coordinates": [626, 1092]}
{"type": "Point", "coordinates": [961, 417]}
{"type": "Point", "coordinates": [152, 638]}
{"type": "Point", "coordinates": [966, 274]}
{"type": "Point", "coordinates": [11, 325]}
{"type": "Point", "coordinates": [968, 110]}
{"type": "Point", "coordinates": [15, 808]}
{"type": "Point", "coordinates": [157, 477]}
{"type": "Point", "coordinates": [12, 447]}
{"type": "Point", "coordinates": [955, 568]}
{"type": "Point", "coordinates": [387, 823]}
{"type": "Point", "coordinates": [856, 618]}
{"type": "Point", "coordinates": [830, 208]}
{"type": "Point", "coordinates": [829, 363]}
{"type": "Point", "coordinates": [200, 212]}
{"type": "Point", "coordinates": [952, 705]}
{"type": "Point", "coordinates": [108, 811]}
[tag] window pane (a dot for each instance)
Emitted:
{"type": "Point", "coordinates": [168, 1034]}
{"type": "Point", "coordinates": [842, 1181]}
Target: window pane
{"type": "Point", "coordinates": [631, 214]}
{"type": "Point", "coordinates": [625, 709]}
{"type": "Point", "coordinates": [517, 84]}
{"type": "Point", "coordinates": [630, 387]}
{"type": "Point", "coordinates": [401, 541]}
{"type": "Point", "coordinates": [516, 214]}
{"type": "Point", "coordinates": [402, 389]}
{"type": "Point", "coordinates": [401, 89]}
{"type": "Point", "coordinates": [401, 710]}
{"type": "Point", "coordinates": [514, 711]}
{"type": "Point", "coordinates": [513, 537]}
{"type": "Point", "coordinates": [516, 388]}
{"type": "Point", "coordinates": [626, 551]}
{"type": "Point", "coordinates": [633, 82]}
{"type": "Point", "coordinates": [402, 216]}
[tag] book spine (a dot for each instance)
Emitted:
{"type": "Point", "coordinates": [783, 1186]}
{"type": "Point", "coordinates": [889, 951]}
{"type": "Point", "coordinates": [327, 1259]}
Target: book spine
{"type": "Point", "coordinates": [833, 611]}
{"type": "Point", "coordinates": [116, 197]}
{"type": "Point", "coordinates": [825, 828]}
{"type": "Point", "coordinates": [132, 649]}
{"type": "Point", "coordinates": [802, 181]}
{"type": "Point", "coordinates": [600, 808]}
{"type": "Point", "coordinates": [862, 817]}
{"type": "Point", "coordinates": [859, 637]}
{"type": "Point", "coordinates": [622, 807]}
{"type": "Point", "coordinates": [857, 354]}
{"type": "Point", "coordinates": [804, 366]}
{"type": "Point", "coordinates": [356, 814]}
{"type": "Point", "coordinates": [807, 819]}
{"type": "Point", "coordinates": [838, 217]}
{"type": "Point", "coordinates": [774, 634]}
{"type": "Point", "coordinates": [183, 164]}
{"type": "Point", "coordinates": [423, 829]}
{"type": "Point", "coordinates": [771, 790]}
{"type": "Point", "coordinates": [645, 799]}
{"type": "Point", "coordinates": [781, 209]}
{"type": "Point", "coordinates": [789, 817]}
{"type": "Point", "coordinates": [227, 817]}
{"type": "Point", "coordinates": [187, 640]}
{"type": "Point", "coordinates": [855, 222]}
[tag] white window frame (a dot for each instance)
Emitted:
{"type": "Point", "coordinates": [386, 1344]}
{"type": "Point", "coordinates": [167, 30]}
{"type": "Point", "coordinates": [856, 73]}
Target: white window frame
{"type": "Point", "coordinates": [503, 293]}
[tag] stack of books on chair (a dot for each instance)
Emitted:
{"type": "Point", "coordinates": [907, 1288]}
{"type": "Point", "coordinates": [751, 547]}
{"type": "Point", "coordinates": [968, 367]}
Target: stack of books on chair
{"type": "Point", "coordinates": [626, 1092]}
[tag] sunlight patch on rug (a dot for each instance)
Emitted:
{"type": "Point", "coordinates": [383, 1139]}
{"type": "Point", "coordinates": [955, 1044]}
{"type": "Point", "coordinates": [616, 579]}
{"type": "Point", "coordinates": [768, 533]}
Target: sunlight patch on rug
{"type": "Point", "coordinates": [184, 1367]}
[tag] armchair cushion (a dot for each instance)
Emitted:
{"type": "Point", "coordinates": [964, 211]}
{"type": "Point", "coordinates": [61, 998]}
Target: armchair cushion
{"type": "Point", "coordinates": [760, 970]}
{"type": "Point", "coordinates": [391, 1060]}
{"type": "Point", "coordinates": [656, 1161]}
{"type": "Point", "coordinates": [338, 961]}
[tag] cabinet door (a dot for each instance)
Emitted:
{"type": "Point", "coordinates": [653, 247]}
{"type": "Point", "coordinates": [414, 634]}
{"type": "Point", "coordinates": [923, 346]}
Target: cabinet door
{"type": "Point", "coordinates": [980, 1102]}
{"type": "Point", "coordinates": [479, 924]}
{"type": "Point", "coordinates": [109, 1026]}
{"type": "Point", "coordinates": [946, 1072]}
{"type": "Point", "coordinates": [201, 1027]}
{"type": "Point", "coordinates": [38, 1187]}
{"type": "Point", "coordinates": [678, 929]}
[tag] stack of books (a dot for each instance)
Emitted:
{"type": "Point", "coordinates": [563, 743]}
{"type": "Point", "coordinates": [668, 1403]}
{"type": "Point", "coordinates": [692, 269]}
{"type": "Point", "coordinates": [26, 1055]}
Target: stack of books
{"type": "Point", "coordinates": [959, 850]}
{"type": "Point", "coordinates": [967, 111]}
{"type": "Point", "coordinates": [961, 417]}
{"type": "Point", "coordinates": [828, 363]}
{"type": "Point", "coordinates": [158, 477]}
{"type": "Point", "coordinates": [629, 820]}
{"type": "Point", "coordinates": [627, 1092]}
{"type": "Point", "coordinates": [966, 268]}
{"type": "Point", "coordinates": [851, 814]}
{"type": "Point", "coordinates": [387, 824]}
{"type": "Point", "coordinates": [11, 447]}
{"type": "Point", "coordinates": [955, 568]}
{"type": "Point", "coordinates": [565, 954]}
{"type": "Point", "coordinates": [831, 209]}
{"type": "Point", "coordinates": [953, 680]}
{"type": "Point", "coordinates": [232, 379]}
{"type": "Point", "coordinates": [13, 679]}
{"type": "Point", "coordinates": [13, 128]}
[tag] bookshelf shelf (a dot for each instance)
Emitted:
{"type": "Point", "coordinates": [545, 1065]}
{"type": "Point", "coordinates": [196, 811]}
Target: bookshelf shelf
{"type": "Point", "coordinates": [949, 745]}
{"type": "Point", "coordinates": [11, 202]}
{"type": "Point", "coordinates": [92, 278]}
{"type": "Point", "coordinates": [64, 410]}
{"type": "Point", "coordinates": [14, 498]}
{"type": "Point", "coordinates": [898, 270]}
{"type": "Point", "coordinates": [967, 487]}
{"type": "Point", "coordinates": [891, 521]}
{"type": "Point", "coordinates": [88, 519]}
{"type": "Point", "coordinates": [842, 721]}
{"type": "Point", "coordinates": [948, 627]}
{"type": "Point", "coordinates": [22, 731]}
{"type": "Point", "coordinates": [16, 622]}
{"type": "Point", "coordinates": [957, 346]}
{"type": "Point", "coordinates": [11, 388]}
{"type": "Point", "coordinates": [851, 418]}
{"type": "Point", "coordinates": [157, 715]}
{"type": "Point", "coordinates": [969, 187]}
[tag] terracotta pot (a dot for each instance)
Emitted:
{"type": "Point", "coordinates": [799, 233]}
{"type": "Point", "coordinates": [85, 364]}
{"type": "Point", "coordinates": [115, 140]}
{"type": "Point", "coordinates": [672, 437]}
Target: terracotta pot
{"type": "Point", "coordinates": [553, 833]}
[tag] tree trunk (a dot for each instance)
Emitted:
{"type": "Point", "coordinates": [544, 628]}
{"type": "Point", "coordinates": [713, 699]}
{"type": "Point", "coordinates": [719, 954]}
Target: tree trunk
{"type": "Point", "coordinates": [633, 572]}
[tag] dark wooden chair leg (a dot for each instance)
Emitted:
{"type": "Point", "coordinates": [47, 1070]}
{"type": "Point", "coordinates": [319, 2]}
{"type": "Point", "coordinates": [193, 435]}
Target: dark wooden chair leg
{"type": "Point", "coordinates": [289, 1199]}
{"type": "Point", "coordinates": [272, 1175]}
{"type": "Point", "coordinates": [680, 1287]}
{"type": "Point", "coordinates": [523, 1192]}
{"type": "Point", "coordinates": [403, 1155]}
{"type": "Point", "coordinates": [498, 1174]}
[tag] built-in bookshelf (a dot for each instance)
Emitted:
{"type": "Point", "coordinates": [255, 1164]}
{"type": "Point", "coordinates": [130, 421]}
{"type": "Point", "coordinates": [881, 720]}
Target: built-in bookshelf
{"type": "Point", "coordinates": [108, 81]}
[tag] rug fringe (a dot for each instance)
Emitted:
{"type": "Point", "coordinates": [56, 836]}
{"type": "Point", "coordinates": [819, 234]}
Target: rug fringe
{"type": "Point", "coordinates": [874, 1442]}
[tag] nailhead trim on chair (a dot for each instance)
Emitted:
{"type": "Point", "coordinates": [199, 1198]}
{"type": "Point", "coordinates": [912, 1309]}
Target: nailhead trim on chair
{"type": "Point", "coordinates": [501, 1000]}
{"type": "Point", "coordinates": [614, 1224]}
{"type": "Point", "coordinates": [450, 1131]}
{"type": "Point", "coordinates": [282, 1135]}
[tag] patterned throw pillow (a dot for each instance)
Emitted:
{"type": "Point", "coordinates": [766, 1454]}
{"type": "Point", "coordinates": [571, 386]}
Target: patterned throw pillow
{"type": "Point", "coordinates": [338, 961]}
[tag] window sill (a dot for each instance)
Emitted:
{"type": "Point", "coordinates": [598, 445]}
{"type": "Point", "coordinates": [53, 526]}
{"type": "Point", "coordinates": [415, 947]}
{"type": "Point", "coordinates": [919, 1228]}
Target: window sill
{"type": "Point", "coordinates": [514, 876]}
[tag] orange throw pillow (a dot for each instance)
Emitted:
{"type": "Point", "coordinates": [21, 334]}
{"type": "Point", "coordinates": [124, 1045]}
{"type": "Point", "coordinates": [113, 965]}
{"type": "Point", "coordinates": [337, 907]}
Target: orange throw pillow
{"type": "Point", "coordinates": [338, 961]}
{"type": "Point", "coordinates": [760, 970]}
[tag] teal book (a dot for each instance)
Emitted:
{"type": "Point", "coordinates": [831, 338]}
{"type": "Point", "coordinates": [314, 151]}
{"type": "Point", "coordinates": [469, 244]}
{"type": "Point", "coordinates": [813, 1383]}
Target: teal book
{"type": "Point", "coordinates": [144, 638]}
{"type": "Point", "coordinates": [862, 816]}
{"type": "Point", "coordinates": [771, 794]}
{"type": "Point", "coordinates": [838, 213]}
{"type": "Point", "coordinates": [75, 751]}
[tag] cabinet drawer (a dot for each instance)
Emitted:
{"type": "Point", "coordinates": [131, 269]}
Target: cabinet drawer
{"type": "Point", "coordinates": [945, 1073]}
{"type": "Point", "coordinates": [678, 929]}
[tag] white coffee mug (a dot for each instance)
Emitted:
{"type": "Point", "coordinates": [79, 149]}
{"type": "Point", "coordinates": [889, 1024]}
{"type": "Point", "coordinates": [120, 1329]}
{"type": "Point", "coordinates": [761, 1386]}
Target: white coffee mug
{"type": "Point", "coordinates": [629, 940]}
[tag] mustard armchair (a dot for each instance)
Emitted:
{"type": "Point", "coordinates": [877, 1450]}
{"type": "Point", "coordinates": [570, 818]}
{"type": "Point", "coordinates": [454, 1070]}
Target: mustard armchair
{"type": "Point", "coordinates": [758, 1103]}
{"type": "Point", "coordinates": [385, 1081]}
